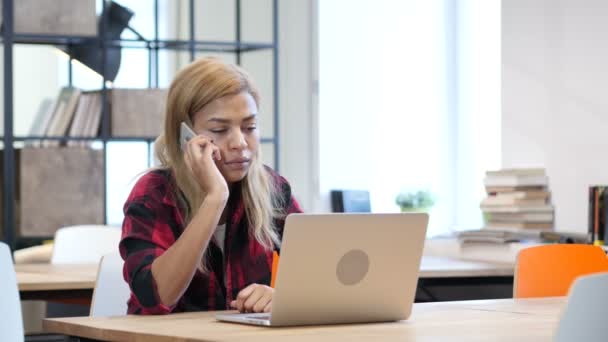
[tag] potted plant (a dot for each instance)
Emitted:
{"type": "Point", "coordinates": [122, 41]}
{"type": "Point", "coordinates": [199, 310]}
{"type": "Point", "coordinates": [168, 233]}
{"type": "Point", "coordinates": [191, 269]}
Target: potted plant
{"type": "Point", "coordinates": [421, 200]}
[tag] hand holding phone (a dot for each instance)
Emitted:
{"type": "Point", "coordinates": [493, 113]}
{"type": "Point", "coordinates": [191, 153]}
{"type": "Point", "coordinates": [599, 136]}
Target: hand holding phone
{"type": "Point", "coordinates": [201, 161]}
{"type": "Point", "coordinates": [185, 134]}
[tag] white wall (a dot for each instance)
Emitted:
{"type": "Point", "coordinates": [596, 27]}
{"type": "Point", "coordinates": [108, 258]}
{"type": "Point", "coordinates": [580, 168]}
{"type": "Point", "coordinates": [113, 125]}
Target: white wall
{"type": "Point", "coordinates": [554, 101]}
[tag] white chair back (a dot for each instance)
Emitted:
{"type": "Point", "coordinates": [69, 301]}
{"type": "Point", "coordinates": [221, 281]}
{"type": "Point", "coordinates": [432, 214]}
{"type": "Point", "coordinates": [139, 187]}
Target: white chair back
{"type": "Point", "coordinates": [584, 318]}
{"type": "Point", "coordinates": [11, 322]}
{"type": "Point", "coordinates": [84, 244]}
{"type": "Point", "coordinates": [111, 291]}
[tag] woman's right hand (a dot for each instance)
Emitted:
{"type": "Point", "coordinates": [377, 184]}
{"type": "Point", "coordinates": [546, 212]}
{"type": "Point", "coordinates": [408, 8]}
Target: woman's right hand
{"type": "Point", "coordinates": [200, 155]}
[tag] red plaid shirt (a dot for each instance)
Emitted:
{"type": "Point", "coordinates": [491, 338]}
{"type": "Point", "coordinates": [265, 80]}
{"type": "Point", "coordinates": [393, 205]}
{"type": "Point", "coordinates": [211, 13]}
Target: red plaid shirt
{"type": "Point", "coordinates": [153, 222]}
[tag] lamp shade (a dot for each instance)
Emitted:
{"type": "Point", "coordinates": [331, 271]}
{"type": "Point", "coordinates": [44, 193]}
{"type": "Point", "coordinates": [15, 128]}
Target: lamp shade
{"type": "Point", "coordinates": [116, 19]}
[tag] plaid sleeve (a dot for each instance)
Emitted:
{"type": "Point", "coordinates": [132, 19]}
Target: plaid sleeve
{"type": "Point", "coordinates": [146, 234]}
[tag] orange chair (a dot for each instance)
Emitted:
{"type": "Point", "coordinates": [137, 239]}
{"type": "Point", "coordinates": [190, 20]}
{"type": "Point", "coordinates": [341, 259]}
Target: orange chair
{"type": "Point", "coordinates": [547, 271]}
{"type": "Point", "coordinates": [275, 266]}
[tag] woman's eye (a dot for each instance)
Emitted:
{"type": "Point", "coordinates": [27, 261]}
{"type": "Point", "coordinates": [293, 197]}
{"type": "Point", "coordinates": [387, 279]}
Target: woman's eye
{"type": "Point", "coordinates": [218, 131]}
{"type": "Point", "coordinates": [251, 128]}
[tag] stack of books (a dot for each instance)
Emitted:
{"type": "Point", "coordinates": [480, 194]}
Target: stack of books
{"type": "Point", "coordinates": [517, 199]}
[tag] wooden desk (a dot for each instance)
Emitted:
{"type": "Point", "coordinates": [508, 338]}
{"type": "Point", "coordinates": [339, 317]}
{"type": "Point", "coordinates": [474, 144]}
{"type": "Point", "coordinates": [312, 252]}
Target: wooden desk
{"type": "Point", "coordinates": [448, 279]}
{"type": "Point", "coordinates": [444, 267]}
{"type": "Point", "coordinates": [56, 282]}
{"type": "Point", "coordinates": [495, 320]}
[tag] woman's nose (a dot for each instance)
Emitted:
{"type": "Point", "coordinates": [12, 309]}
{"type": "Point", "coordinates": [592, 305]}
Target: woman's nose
{"type": "Point", "coordinates": [237, 141]}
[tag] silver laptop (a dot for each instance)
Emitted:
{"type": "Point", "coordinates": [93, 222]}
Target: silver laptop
{"type": "Point", "coordinates": [344, 268]}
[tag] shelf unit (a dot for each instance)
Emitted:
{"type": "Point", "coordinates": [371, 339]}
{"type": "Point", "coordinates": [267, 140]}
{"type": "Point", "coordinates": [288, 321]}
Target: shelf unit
{"type": "Point", "coordinates": [9, 38]}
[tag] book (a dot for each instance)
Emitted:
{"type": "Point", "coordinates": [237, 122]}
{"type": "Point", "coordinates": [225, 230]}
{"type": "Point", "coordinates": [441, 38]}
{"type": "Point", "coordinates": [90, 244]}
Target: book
{"type": "Point", "coordinates": [521, 217]}
{"type": "Point", "coordinates": [60, 123]}
{"type": "Point", "coordinates": [523, 194]}
{"type": "Point", "coordinates": [516, 180]}
{"type": "Point", "coordinates": [510, 201]}
{"type": "Point", "coordinates": [501, 189]}
{"type": "Point", "coordinates": [597, 213]}
{"type": "Point", "coordinates": [564, 237]}
{"type": "Point", "coordinates": [519, 225]}
{"type": "Point", "coordinates": [518, 209]}
{"type": "Point", "coordinates": [507, 235]}
{"type": "Point", "coordinates": [498, 235]}
{"type": "Point", "coordinates": [94, 114]}
{"type": "Point", "coordinates": [45, 111]}
{"type": "Point", "coordinates": [517, 172]}
{"type": "Point", "coordinates": [80, 117]}
{"type": "Point", "coordinates": [45, 107]}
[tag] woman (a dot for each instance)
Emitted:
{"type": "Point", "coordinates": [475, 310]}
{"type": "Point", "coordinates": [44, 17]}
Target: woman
{"type": "Point", "coordinates": [199, 231]}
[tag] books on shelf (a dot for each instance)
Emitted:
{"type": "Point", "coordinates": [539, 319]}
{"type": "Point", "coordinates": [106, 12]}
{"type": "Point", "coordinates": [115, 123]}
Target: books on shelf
{"type": "Point", "coordinates": [78, 114]}
{"type": "Point", "coordinates": [493, 201]}
{"type": "Point", "coordinates": [543, 208]}
{"type": "Point", "coordinates": [504, 235]}
{"type": "Point", "coordinates": [516, 172]}
{"type": "Point", "coordinates": [517, 199]}
{"type": "Point", "coordinates": [87, 117]}
{"type": "Point", "coordinates": [507, 189]}
{"type": "Point", "coordinates": [521, 216]}
{"type": "Point", "coordinates": [61, 118]}
{"type": "Point", "coordinates": [509, 235]}
{"type": "Point", "coordinates": [598, 214]}
{"type": "Point", "coordinates": [516, 180]}
{"type": "Point", "coordinates": [519, 225]}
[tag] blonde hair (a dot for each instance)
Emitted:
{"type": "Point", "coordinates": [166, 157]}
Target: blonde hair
{"type": "Point", "coordinates": [195, 86]}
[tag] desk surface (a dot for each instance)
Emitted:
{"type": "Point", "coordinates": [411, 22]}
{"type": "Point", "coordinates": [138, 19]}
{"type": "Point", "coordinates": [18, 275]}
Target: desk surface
{"type": "Point", "coordinates": [444, 267]}
{"type": "Point", "coordinates": [489, 320]}
{"type": "Point", "coordinates": [49, 277]}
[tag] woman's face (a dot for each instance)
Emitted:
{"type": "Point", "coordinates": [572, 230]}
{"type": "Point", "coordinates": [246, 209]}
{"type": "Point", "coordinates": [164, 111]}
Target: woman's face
{"type": "Point", "coordinates": [231, 122]}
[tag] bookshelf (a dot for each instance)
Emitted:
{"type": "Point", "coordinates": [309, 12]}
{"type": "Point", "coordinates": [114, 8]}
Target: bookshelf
{"type": "Point", "coordinates": [192, 45]}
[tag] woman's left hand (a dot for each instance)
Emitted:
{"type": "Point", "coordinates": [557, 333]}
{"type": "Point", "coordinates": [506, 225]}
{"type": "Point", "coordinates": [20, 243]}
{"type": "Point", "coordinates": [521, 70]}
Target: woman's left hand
{"type": "Point", "coordinates": [254, 298]}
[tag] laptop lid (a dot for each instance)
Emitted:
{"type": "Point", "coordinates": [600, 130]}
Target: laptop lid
{"type": "Point", "coordinates": [348, 268]}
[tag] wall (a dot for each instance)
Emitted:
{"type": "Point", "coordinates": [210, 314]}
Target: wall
{"type": "Point", "coordinates": [554, 101]}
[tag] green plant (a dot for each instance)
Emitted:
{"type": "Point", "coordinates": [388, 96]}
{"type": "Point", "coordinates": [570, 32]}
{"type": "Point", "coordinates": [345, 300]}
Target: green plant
{"type": "Point", "coordinates": [420, 199]}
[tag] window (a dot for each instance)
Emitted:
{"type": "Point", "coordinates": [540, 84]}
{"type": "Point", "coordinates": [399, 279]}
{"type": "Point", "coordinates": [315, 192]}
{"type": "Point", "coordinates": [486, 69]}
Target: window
{"type": "Point", "coordinates": [408, 100]}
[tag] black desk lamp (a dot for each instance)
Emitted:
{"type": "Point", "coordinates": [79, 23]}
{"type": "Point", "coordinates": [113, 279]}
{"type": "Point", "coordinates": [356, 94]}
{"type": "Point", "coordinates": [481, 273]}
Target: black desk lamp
{"type": "Point", "coordinates": [116, 19]}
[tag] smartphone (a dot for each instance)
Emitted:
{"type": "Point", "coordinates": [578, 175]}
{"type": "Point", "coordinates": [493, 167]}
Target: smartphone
{"type": "Point", "coordinates": [185, 134]}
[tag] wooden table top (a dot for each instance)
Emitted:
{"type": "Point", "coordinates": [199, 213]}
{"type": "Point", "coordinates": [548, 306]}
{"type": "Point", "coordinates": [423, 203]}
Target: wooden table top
{"type": "Point", "coordinates": [49, 277]}
{"type": "Point", "coordinates": [489, 320]}
{"type": "Point", "coordinates": [445, 267]}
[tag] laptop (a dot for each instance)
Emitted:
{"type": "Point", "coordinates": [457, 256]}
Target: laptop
{"type": "Point", "coordinates": [344, 268]}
